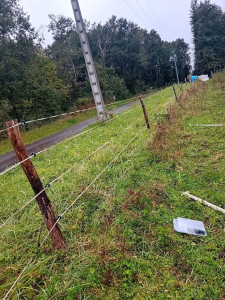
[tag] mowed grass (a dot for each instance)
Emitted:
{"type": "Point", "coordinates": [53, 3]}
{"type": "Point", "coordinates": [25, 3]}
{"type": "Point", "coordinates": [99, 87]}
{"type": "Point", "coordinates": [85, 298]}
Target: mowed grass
{"type": "Point", "coordinates": [121, 242]}
{"type": "Point", "coordinates": [42, 129]}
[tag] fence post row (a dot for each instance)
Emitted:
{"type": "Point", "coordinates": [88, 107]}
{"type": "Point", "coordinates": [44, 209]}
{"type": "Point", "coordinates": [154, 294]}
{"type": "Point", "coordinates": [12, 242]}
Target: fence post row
{"type": "Point", "coordinates": [43, 201]}
{"type": "Point", "coordinates": [144, 111]}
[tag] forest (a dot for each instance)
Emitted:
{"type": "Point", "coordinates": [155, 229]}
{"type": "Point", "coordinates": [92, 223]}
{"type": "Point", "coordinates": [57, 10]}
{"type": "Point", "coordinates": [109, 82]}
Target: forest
{"type": "Point", "coordinates": [37, 81]}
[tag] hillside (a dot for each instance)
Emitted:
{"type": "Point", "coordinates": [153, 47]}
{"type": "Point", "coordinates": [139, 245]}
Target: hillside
{"type": "Point", "coordinates": [120, 237]}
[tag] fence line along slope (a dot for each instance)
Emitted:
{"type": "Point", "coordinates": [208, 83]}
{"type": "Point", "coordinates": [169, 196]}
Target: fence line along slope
{"type": "Point", "coordinates": [20, 237]}
{"type": "Point", "coordinates": [39, 129]}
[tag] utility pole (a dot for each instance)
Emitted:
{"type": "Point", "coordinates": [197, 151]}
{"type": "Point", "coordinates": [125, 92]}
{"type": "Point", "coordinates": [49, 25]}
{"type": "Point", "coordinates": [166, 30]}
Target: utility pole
{"type": "Point", "coordinates": [175, 61]}
{"type": "Point", "coordinates": [96, 90]}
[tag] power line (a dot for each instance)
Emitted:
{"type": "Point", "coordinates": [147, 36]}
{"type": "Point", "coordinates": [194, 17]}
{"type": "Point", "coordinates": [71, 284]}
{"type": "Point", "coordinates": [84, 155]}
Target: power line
{"type": "Point", "coordinates": [137, 15]}
{"type": "Point", "coordinates": [143, 10]}
{"type": "Point", "coordinates": [165, 31]}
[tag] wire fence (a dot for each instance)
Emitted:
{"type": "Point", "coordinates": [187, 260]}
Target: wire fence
{"type": "Point", "coordinates": [68, 208]}
{"type": "Point", "coordinates": [71, 205]}
{"type": "Point", "coordinates": [68, 113]}
{"type": "Point", "coordinates": [34, 154]}
{"type": "Point", "coordinates": [48, 185]}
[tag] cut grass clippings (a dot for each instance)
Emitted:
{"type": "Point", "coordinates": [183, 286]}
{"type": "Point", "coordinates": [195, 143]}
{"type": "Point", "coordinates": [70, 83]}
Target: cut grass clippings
{"type": "Point", "coordinates": [121, 242]}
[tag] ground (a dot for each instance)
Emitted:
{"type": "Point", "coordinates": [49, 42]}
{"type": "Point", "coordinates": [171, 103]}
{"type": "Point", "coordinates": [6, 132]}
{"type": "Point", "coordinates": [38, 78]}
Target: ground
{"type": "Point", "coordinates": [120, 237]}
{"type": "Point", "coordinates": [39, 130]}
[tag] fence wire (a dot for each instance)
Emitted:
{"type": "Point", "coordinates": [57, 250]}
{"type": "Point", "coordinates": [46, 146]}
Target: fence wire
{"type": "Point", "coordinates": [68, 208]}
{"type": "Point", "coordinates": [48, 185]}
{"type": "Point", "coordinates": [34, 154]}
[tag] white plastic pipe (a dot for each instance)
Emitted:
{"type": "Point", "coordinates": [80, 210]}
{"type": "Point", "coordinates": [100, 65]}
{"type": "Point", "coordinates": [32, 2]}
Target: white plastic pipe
{"type": "Point", "coordinates": [204, 202]}
{"type": "Point", "coordinates": [208, 125]}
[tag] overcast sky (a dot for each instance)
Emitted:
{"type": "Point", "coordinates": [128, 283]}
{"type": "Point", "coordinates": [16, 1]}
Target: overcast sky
{"type": "Point", "coordinates": [169, 17]}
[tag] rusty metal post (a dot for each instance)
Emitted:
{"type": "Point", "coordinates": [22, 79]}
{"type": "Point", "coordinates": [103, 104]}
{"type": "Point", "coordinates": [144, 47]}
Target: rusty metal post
{"type": "Point", "coordinates": [175, 94]}
{"type": "Point", "coordinates": [43, 201]}
{"type": "Point", "coordinates": [144, 112]}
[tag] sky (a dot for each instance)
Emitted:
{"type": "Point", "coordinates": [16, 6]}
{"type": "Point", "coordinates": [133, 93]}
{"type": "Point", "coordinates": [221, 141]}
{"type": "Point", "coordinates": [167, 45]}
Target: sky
{"type": "Point", "coordinates": [170, 18]}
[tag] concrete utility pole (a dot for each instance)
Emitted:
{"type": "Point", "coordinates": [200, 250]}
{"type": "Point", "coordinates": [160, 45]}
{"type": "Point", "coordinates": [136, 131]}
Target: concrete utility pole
{"type": "Point", "coordinates": [96, 90]}
{"type": "Point", "coordinates": [175, 61]}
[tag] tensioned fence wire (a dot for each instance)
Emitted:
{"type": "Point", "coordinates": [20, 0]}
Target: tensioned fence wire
{"type": "Point", "coordinates": [69, 170]}
{"type": "Point", "coordinates": [71, 113]}
{"type": "Point", "coordinates": [48, 185]}
{"type": "Point", "coordinates": [69, 207]}
{"type": "Point", "coordinates": [34, 154]}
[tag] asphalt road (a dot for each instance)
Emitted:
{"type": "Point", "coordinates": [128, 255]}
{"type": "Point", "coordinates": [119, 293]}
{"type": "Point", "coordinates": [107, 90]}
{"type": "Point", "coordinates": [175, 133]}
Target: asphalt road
{"type": "Point", "coordinates": [10, 158]}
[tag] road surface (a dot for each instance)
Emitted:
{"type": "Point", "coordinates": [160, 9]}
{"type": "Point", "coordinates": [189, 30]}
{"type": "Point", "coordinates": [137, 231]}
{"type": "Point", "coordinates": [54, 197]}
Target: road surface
{"type": "Point", "coordinates": [10, 158]}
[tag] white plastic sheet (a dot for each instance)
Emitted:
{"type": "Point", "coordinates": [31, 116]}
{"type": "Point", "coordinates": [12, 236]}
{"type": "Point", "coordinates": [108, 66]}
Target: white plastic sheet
{"type": "Point", "coordinates": [189, 226]}
{"type": "Point", "coordinates": [203, 77]}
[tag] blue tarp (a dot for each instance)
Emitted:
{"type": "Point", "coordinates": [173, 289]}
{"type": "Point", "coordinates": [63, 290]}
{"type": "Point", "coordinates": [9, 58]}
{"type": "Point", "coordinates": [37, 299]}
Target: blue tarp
{"type": "Point", "coordinates": [193, 78]}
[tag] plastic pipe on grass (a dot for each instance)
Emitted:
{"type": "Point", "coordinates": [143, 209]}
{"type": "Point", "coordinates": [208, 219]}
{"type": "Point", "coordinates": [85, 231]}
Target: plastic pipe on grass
{"type": "Point", "coordinates": [204, 202]}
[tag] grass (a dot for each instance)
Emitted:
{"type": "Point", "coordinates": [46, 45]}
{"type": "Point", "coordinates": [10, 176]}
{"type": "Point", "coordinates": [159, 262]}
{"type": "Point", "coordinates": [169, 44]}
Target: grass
{"type": "Point", "coordinates": [42, 129]}
{"type": "Point", "coordinates": [121, 242]}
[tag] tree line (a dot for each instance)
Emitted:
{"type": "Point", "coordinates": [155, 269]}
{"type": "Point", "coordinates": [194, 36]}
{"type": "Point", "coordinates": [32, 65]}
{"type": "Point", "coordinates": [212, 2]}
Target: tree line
{"type": "Point", "coordinates": [208, 29]}
{"type": "Point", "coordinates": [37, 81]}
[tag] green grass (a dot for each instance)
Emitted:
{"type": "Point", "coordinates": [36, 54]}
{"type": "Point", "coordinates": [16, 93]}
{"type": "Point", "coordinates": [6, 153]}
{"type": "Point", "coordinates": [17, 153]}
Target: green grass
{"type": "Point", "coordinates": [40, 130]}
{"type": "Point", "coordinates": [121, 242]}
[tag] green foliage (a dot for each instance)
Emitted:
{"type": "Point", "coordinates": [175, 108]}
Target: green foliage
{"type": "Point", "coordinates": [17, 51]}
{"type": "Point", "coordinates": [67, 54]}
{"type": "Point", "coordinates": [208, 27]}
{"type": "Point", "coordinates": [181, 51]}
{"type": "Point", "coordinates": [45, 93]}
{"type": "Point", "coordinates": [121, 242]}
{"type": "Point", "coordinates": [127, 57]}
{"type": "Point", "coordinates": [129, 60]}
{"type": "Point", "coordinates": [29, 84]}
{"type": "Point", "coordinates": [111, 84]}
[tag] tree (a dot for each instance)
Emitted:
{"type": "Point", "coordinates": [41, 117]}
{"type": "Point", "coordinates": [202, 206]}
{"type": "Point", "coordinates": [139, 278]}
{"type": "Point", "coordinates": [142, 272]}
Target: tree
{"type": "Point", "coordinates": [29, 86]}
{"type": "Point", "coordinates": [67, 54]}
{"type": "Point", "coordinates": [208, 28]}
{"type": "Point", "coordinates": [182, 55]}
{"type": "Point", "coordinates": [17, 50]}
{"type": "Point", "coordinates": [45, 93]}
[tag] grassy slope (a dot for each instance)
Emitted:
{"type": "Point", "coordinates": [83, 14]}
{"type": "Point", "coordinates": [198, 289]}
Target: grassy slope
{"type": "Point", "coordinates": [120, 234]}
{"type": "Point", "coordinates": [40, 130]}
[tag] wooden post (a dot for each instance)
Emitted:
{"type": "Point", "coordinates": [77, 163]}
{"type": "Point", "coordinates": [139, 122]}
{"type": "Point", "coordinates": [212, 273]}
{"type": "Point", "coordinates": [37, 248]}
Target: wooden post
{"type": "Point", "coordinates": [43, 201]}
{"type": "Point", "coordinates": [175, 92]}
{"type": "Point", "coordinates": [144, 112]}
